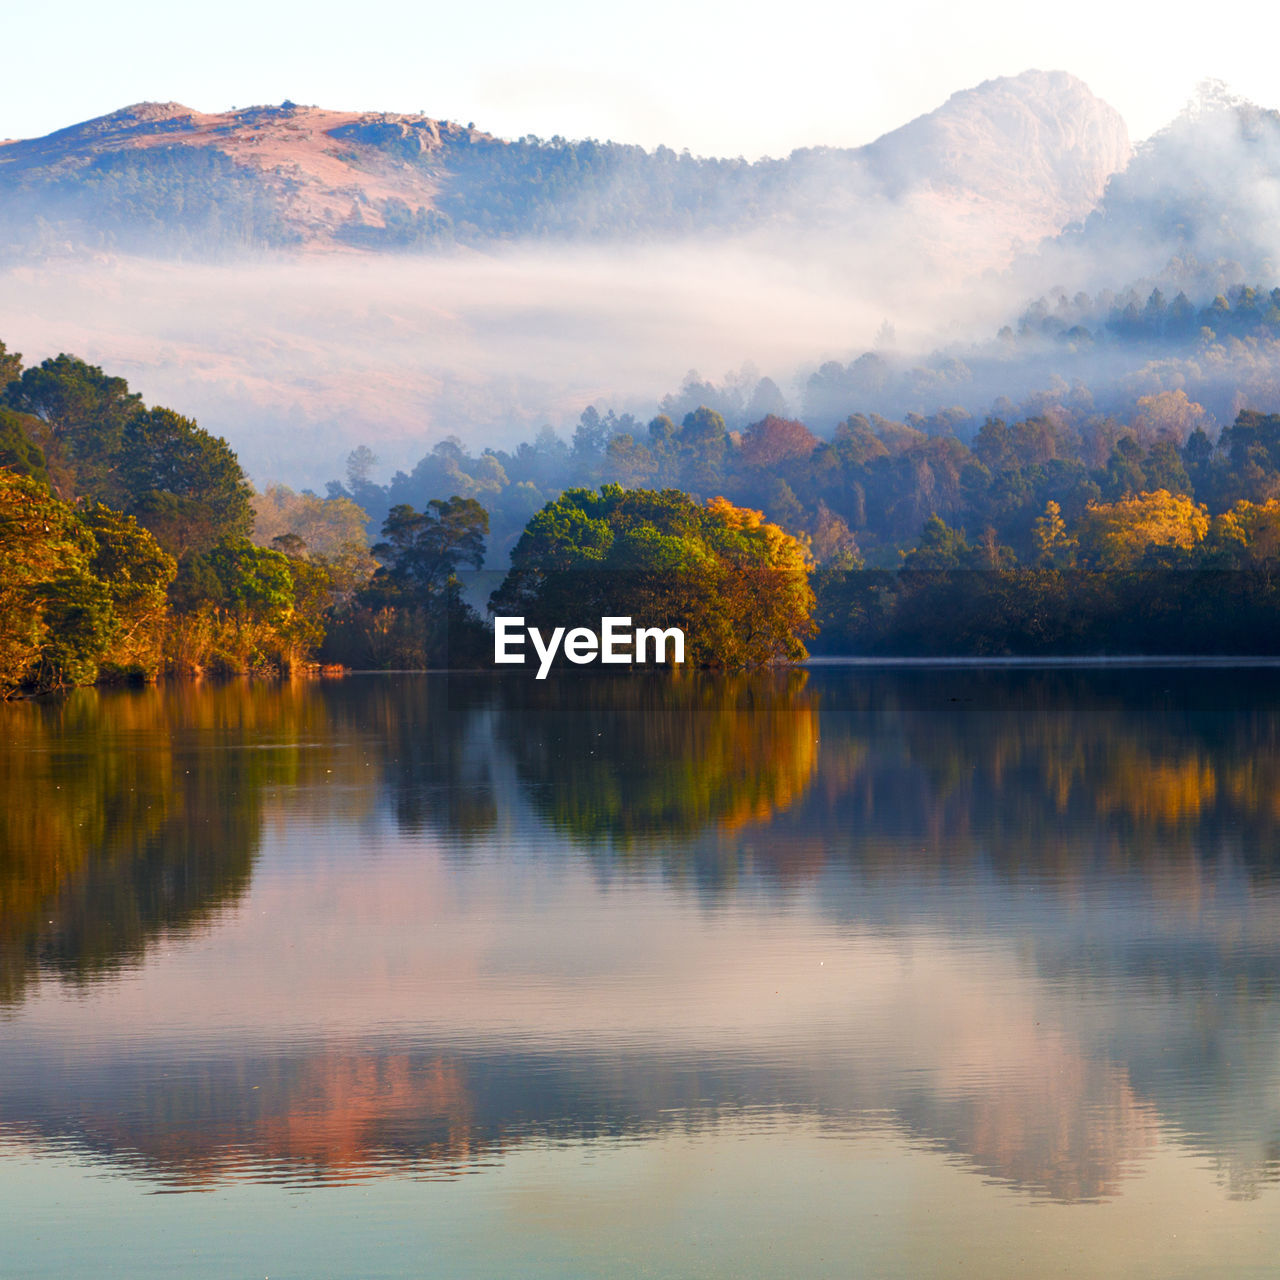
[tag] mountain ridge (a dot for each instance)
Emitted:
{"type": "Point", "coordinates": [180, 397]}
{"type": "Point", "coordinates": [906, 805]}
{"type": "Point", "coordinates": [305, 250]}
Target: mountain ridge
{"type": "Point", "coordinates": [1034, 150]}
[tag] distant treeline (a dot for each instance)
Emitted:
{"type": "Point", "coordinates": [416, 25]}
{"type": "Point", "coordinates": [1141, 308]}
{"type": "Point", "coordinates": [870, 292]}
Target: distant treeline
{"type": "Point", "coordinates": [1057, 533]}
{"type": "Point", "coordinates": [866, 492]}
{"type": "Point", "coordinates": [1243, 311]}
{"type": "Point", "coordinates": [164, 200]}
{"type": "Point", "coordinates": [1077, 357]}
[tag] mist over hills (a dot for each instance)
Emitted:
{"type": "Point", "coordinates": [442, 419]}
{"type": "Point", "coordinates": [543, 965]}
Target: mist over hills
{"type": "Point", "coordinates": [304, 280]}
{"type": "Point", "coordinates": [1027, 154]}
{"type": "Point", "coordinates": [1196, 206]}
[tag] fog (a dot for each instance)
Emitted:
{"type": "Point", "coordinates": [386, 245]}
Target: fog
{"type": "Point", "coordinates": [295, 362]}
{"type": "Point", "coordinates": [297, 359]}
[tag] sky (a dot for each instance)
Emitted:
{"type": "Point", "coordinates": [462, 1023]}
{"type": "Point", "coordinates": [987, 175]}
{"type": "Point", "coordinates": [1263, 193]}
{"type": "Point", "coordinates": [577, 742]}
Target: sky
{"type": "Point", "coordinates": [739, 78]}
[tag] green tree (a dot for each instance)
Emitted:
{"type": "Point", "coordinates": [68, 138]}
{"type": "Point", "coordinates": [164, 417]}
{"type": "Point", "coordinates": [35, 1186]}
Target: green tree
{"type": "Point", "coordinates": [412, 612]}
{"type": "Point", "coordinates": [136, 572]}
{"type": "Point", "coordinates": [18, 451]}
{"type": "Point", "coordinates": [1124, 473]}
{"type": "Point", "coordinates": [941, 548]}
{"type": "Point", "coordinates": [10, 366]}
{"type": "Point", "coordinates": [421, 551]}
{"type": "Point", "coordinates": [702, 446]}
{"type": "Point", "coordinates": [182, 483]}
{"type": "Point", "coordinates": [254, 583]}
{"type": "Point", "coordinates": [81, 414]}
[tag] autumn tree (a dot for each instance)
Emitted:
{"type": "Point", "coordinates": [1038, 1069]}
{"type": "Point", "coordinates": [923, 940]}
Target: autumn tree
{"type": "Point", "coordinates": [1055, 548]}
{"type": "Point", "coordinates": [1117, 535]}
{"type": "Point", "coordinates": [737, 585]}
{"type": "Point", "coordinates": [775, 440]}
{"type": "Point", "coordinates": [56, 619]}
{"type": "Point", "coordinates": [1246, 537]}
{"type": "Point", "coordinates": [326, 531]}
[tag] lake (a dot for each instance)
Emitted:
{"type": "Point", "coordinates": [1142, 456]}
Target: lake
{"type": "Point", "coordinates": [871, 971]}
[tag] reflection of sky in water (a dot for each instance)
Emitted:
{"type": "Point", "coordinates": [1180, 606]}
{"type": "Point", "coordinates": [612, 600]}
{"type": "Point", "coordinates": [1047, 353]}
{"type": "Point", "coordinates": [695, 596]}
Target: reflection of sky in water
{"type": "Point", "coordinates": [1015, 949]}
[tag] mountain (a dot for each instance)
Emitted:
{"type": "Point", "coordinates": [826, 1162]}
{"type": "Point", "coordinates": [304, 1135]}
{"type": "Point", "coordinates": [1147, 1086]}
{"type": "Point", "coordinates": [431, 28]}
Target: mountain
{"type": "Point", "coordinates": [304, 280]}
{"type": "Point", "coordinates": [996, 167]}
{"type": "Point", "coordinates": [1038, 148]}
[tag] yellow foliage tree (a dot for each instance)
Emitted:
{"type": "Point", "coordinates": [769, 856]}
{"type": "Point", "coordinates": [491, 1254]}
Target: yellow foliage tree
{"type": "Point", "coordinates": [1116, 535]}
{"type": "Point", "coordinates": [1054, 546]}
{"type": "Point", "coordinates": [1246, 536]}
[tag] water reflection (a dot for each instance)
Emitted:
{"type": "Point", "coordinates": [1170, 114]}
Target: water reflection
{"type": "Point", "coordinates": [110, 835]}
{"type": "Point", "coordinates": [1030, 919]}
{"type": "Point", "coordinates": [635, 763]}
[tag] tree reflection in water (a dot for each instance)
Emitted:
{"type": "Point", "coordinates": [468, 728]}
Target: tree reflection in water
{"type": "Point", "coordinates": [1052, 892]}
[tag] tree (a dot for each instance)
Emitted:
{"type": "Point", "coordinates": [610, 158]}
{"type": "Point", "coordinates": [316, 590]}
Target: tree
{"type": "Point", "coordinates": [627, 461]}
{"type": "Point", "coordinates": [737, 585]}
{"type": "Point", "coordinates": [591, 435]}
{"type": "Point", "coordinates": [18, 451]}
{"type": "Point", "coordinates": [56, 618]}
{"type": "Point", "coordinates": [774, 440]}
{"type": "Point", "coordinates": [81, 413]}
{"type": "Point", "coordinates": [254, 583]}
{"type": "Point", "coordinates": [240, 608]}
{"type": "Point", "coordinates": [1169, 415]}
{"type": "Point", "coordinates": [1246, 537]}
{"type": "Point", "coordinates": [1125, 475]}
{"type": "Point", "coordinates": [421, 551]}
{"type": "Point", "coordinates": [137, 572]}
{"type": "Point", "coordinates": [701, 446]}
{"type": "Point", "coordinates": [330, 531]}
{"type": "Point", "coordinates": [412, 611]}
{"type": "Point", "coordinates": [832, 540]}
{"type": "Point", "coordinates": [1117, 535]}
{"type": "Point", "coordinates": [1053, 546]}
{"type": "Point", "coordinates": [10, 366]}
{"type": "Point", "coordinates": [182, 483]}
{"type": "Point", "coordinates": [941, 548]}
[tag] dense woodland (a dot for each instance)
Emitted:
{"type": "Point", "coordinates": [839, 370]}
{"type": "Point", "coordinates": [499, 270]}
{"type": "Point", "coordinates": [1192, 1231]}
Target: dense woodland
{"type": "Point", "coordinates": [164, 200]}
{"type": "Point", "coordinates": [1062, 529]}
{"type": "Point", "coordinates": [126, 539]}
{"type": "Point", "coordinates": [134, 544]}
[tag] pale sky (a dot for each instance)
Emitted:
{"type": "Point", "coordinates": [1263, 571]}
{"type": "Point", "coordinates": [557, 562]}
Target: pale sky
{"type": "Point", "coordinates": [727, 78]}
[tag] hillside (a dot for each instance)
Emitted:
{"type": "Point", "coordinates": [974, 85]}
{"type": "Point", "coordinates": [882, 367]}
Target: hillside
{"type": "Point", "coordinates": [995, 167]}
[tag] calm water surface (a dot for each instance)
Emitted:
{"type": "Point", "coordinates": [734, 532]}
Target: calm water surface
{"type": "Point", "coordinates": [848, 972]}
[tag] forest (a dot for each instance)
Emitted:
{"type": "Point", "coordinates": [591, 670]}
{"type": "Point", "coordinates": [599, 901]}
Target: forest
{"type": "Point", "coordinates": [134, 544]}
